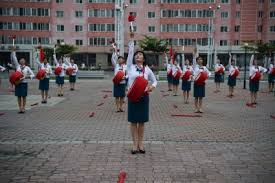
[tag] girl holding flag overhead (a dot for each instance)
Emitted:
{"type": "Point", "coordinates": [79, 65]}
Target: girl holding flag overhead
{"type": "Point", "coordinates": [43, 75]}
{"type": "Point", "coordinates": [119, 79]}
{"type": "Point", "coordinates": [21, 85]}
{"type": "Point", "coordinates": [232, 75]}
{"type": "Point", "coordinates": [60, 68]}
{"type": "Point", "coordinates": [255, 73]}
{"type": "Point", "coordinates": [219, 74]}
{"type": "Point", "coordinates": [176, 72]}
{"type": "Point", "coordinates": [201, 73]}
{"type": "Point", "coordinates": [139, 75]}
{"type": "Point", "coordinates": [71, 70]}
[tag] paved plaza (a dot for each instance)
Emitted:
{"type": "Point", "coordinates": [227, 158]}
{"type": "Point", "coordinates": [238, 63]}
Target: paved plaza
{"type": "Point", "coordinates": [63, 142]}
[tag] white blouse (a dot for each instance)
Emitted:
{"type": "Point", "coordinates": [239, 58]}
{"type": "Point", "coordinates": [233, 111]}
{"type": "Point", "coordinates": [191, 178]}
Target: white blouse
{"type": "Point", "coordinates": [27, 72]}
{"type": "Point", "coordinates": [2, 68]}
{"type": "Point", "coordinates": [134, 71]}
{"type": "Point", "coordinates": [62, 65]}
{"type": "Point", "coordinates": [45, 67]}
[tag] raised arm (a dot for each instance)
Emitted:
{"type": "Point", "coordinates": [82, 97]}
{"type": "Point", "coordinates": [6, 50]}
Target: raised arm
{"type": "Point", "coordinates": [14, 60]}
{"type": "Point", "coordinates": [54, 59]}
{"type": "Point", "coordinates": [130, 53]}
{"type": "Point", "coordinates": [195, 55]}
{"type": "Point", "coordinates": [251, 60]}
{"type": "Point", "coordinates": [67, 61]}
{"type": "Point", "coordinates": [2, 68]}
{"type": "Point", "coordinates": [37, 61]}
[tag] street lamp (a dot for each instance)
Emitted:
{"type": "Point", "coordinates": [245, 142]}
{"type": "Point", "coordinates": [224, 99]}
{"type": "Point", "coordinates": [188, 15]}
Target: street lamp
{"type": "Point", "coordinates": [211, 31]}
{"type": "Point", "coordinates": [244, 77]}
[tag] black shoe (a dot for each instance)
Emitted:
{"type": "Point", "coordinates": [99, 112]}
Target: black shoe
{"type": "Point", "coordinates": [20, 112]}
{"type": "Point", "coordinates": [133, 151]}
{"type": "Point", "coordinates": [142, 151]}
{"type": "Point", "coordinates": [45, 101]}
{"type": "Point", "coordinates": [61, 95]}
{"type": "Point", "coordinates": [72, 89]}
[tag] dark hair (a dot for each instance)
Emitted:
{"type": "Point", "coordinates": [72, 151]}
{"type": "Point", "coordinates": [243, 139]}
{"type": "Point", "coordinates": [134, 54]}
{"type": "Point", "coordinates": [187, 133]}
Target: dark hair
{"type": "Point", "coordinates": [198, 58]}
{"type": "Point", "coordinates": [144, 57]}
{"type": "Point", "coordinates": [119, 57]}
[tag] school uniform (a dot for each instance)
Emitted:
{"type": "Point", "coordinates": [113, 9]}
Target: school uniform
{"type": "Point", "coordinates": [219, 77]}
{"type": "Point", "coordinates": [175, 69]}
{"type": "Point", "coordinates": [186, 84]}
{"type": "Point", "coordinates": [254, 85]}
{"type": "Point", "coordinates": [199, 89]}
{"type": "Point", "coordinates": [72, 78]}
{"type": "Point", "coordinates": [169, 73]}
{"type": "Point", "coordinates": [21, 90]}
{"type": "Point", "coordinates": [232, 80]}
{"type": "Point", "coordinates": [44, 83]}
{"type": "Point", "coordinates": [271, 77]}
{"type": "Point", "coordinates": [119, 89]}
{"type": "Point", "coordinates": [138, 112]}
{"type": "Point", "coordinates": [60, 78]}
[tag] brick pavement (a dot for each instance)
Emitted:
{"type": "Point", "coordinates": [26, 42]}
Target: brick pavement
{"type": "Point", "coordinates": [61, 143]}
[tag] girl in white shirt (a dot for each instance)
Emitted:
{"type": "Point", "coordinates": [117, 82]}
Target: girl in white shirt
{"type": "Point", "coordinates": [21, 90]}
{"type": "Point", "coordinates": [138, 112]}
{"type": "Point", "coordinates": [271, 75]}
{"type": "Point", "coordinates": [60, 78]}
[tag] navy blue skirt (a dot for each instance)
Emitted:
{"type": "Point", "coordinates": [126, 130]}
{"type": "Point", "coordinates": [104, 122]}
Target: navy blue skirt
{"type": "Point", "coordinates": [231, 81]}
{"type": "Point", "coordinates": [119, 90]}
{"type": "Point", "coordinates": [219, 78]}
{"type": "Point", "coordinates": [254, 86]}
{"type": "Point", "coordinates": [138, 112]}
{"type": "Point", "coordinates": [44, 84]}
{"type": "Point", "coordinates": [199, 90]}
{"type": "Point", "coordinates": [21, 90]}
{"type": "Point", "coordinates": [170, 79]}
{"type": "Point", "coordinates": [72, 79]}
{"type": "Point", "coordinates": [271, 78]}
{"type": "Point", "coordinates": [176, 81]}
{"type": "Point", "coordinates": [186, 85]}
{"type": "Point", "coordinates": [59, 80]}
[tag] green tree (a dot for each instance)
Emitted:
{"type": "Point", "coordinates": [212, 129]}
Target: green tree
{"type": "Point", "coordinates": [65, 49]}
{"type": "Point", "coordinates": [154, 45]}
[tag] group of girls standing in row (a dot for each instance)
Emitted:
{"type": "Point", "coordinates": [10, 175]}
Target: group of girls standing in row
{"type": "Point", "coordinates": [189, 73]}
{"type": "Point", "coordinates": [61, 66]}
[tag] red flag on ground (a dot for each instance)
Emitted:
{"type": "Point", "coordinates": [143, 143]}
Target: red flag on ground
{"type": "Point", "coordinates": [42, 55]}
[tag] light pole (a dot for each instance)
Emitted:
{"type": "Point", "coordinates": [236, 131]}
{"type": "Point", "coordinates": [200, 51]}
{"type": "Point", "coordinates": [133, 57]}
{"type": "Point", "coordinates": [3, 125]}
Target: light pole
{"type": "Point", "coordinates": [244, 77]}
{"type": "Point", "coordinates": [211, 30]}
{"type": "Point", "coordinates": [120, 7]}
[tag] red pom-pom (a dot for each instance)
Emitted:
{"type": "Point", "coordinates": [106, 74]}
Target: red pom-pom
{"type": "Point", "coordinates": [69, 71]}
{"type": "Point", "coordinates": [201, 78]}
{"type": "Point", "coordinates": [220, 70]}
{"type": "Point", "coordinates": [177, 75]}
{"type": "Point", "coordinates": [58, 70]}
{"type": "Point", "coordinates": [273, 71]}
{"type": "Point", "coordinates": [13, 36]}
{"type": "Point", "coordinates": [235, 73]}
{"type": "Point", "coordinates": [15, 77]}
{"type": "Point", "coordinates": [186, 75]}
{"type": "Point", "coordinates": [41, 74]}
{"type": "Point", "coordinates": [118, 77]}
{"type": "Point", "coordinates": [256, 77]}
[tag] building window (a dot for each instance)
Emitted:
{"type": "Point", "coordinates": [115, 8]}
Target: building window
{"type": "Point", "coordinates": [78, 1]}
{"type": "Point", "coordinates": [101, 13]}
{"type": "Point", "coordinates": [78, 14]}
{"type": "Point", "coordinates": [59, 28]}
{"type": "Point", "coordinates": [224, 29]}
{"type": "Point", "coordinates": [78, 28]}
{"type": "Point", "coordinates": [79, 42]}
{"type": "Point", "coordinates": [224, 14]}
{"type": "Point", "coordinates": [236, 42]}
{"type": "Point", "coordinates": [261, 1]}
{"type": "Point", "coordinates": [260, 14]}
{"type": "Point", "coordinates": [133, 1]}
{"type": "Point", "coordinates": [237, 28]}
{"type": "Point", "coordinates": [260, 28]}
{"type": "Point", "coordinates": [59, 1]}
{"type": "Point", "coordinates": [59, 41]}
{"type": "Point", "coordinates": [223, 42]}
{"type": "Point", "coordinates": [102, 27]}
{"type": "Point", "coordinates": [238, 14]}
{"type": "Point", "coordinates": [151, 29]}
{"type": "Point", "coordinates": [272, 28]}
{"type": "Point", "coordinates": [238, 1]}
{"type": "Point", "coordinates": [100, 41]}
{"type": "Point", "coordinates": [224, 1]}
{"type": "Point", "coordinates": [272, 42]}
{"type": "Point", "coordinates": [151, 1]}
{"type": "Point", "coordinates": [272, 1]}
{"type": "Point", "coordinates": [272, 14]}
{"type": "Point", "coordinates": [59, 14]}
{"type": "Point", "coordinates": [135, 28]}
{"type": "Point", "coordinates": [151, 15]}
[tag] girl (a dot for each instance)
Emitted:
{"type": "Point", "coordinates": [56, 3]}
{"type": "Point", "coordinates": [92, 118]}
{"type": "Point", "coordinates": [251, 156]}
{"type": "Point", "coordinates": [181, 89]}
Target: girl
{"type": "Point", "coordinates": [254, 78]}
{"type": "Point", "coordinates": [271, 75]}
{"type": "Point", "coordinates": [72, 77]}
{"type": "Point", "coordinates": [138, 112]}
{"type": "Point", "coordinates": [2, 69]}
{"type": "Point", "coordinates": [186, 81]}
{"type": "Point", "coordinates": [44, 83]}
{"type": "Point", "coordinates": [21, 90]}
{"type": "Point", "coordinates": [119, 88]}
{"type": "Point", "coordinates": [176, 71]}
{"type": "Point", "coordinates": [199, 88]}
{"type": "Point", "coordinates": [169, 72]}
{"type": "Point", "coordinates": [60, 77]}
{"type": "Point", "coordinates": [232, 77]}
{"type": "Point", "coordinates": [219, 74]}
